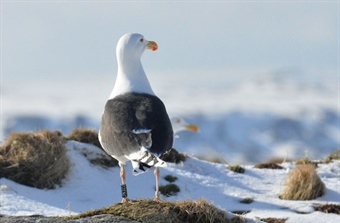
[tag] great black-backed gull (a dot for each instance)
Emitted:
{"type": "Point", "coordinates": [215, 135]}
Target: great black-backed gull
{"type": "Point", "coordinates": [135, 125]}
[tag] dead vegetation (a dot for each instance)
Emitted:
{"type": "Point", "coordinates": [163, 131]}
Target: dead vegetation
{"type": "Point", "coordinates": [270, 165]}
{"type": "Point", "coordinates": [90, 136]}
{"type": "Point", "coordinates": [85, 135]}
{"type": "Point", "coordinates": [35, 159]}
{"type": "Point", "coordinates": [328, 208]}
{"type": "Point", "coordinates": [333, 156]}
{"type": "Point", "coordinates": [236, 169]}
{"type": "Point", "coordinates": [273, 220]}
{"type": "Point", "coordinates": [146, 211]}
{"type": "Point", "coordinates": [169, 189]}
{"type": "Point", "coordinates": [303, 183]}
{"type": "Point", "coordinates": [170, 178]}
{"type": "Point", "coordinates": [173, 156]}
{"type": "Point", "coordinates": [247, 200]}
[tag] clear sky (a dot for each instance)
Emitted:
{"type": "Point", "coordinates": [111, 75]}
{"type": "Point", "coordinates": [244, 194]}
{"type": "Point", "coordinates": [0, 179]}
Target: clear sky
{"type": "Point", "coordinates": [49, 39]}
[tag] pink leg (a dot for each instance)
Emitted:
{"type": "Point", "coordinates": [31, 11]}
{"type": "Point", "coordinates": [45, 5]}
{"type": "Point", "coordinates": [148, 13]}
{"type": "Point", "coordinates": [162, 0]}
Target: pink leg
{"type": "Point", "coordinates": [157, 193]}
{"type": "Point", "coordinates": [123, 185]}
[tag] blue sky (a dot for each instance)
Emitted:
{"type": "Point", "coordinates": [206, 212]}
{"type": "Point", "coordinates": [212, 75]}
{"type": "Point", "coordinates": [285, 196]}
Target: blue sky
{"type": "Point", "coordinates": [49, 39]}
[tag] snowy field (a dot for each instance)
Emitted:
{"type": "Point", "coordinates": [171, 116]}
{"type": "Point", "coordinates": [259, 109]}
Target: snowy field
{"type": "Point", "coordinates": [246, 122]}
{"type": "Point", "coordinates": [89, 187]}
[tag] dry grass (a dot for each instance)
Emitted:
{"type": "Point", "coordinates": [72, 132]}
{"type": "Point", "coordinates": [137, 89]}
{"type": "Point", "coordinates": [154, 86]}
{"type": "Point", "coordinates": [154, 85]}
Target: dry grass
{"type": "Point", "coordinates": [146, 211]}
{"type": "Point", "coordinates": [169, 189]}
{"type": "Point", "coordinates": [303, 183]}
{"type": "Point", "coordinates": [236, 169]}
{"type": "Point", "coordinates": [170, 178]}
{"type": "Point", "coordinates": [173, 156]}
{"type": "Point", "coordinates": [270, 165]}
{"type": "Point", "coordinates": [85, 135]}
{"type": "Point", "coordinates": [34, 159]}
{"type": "Point", "coordinates": [247, 200]}
{"type": "Point", "coordinates": [90, 136]}
{"type": "Point", "coordinates": [328, 208]}
{"type": "Point", "coordinates": [274, 220]}
{"type": "Point", "coordinates": [333, 156]}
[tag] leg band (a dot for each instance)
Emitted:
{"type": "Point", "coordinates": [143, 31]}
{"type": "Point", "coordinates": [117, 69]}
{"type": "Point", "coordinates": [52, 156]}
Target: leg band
{"type": "Point", "coordinates": [124, 190]}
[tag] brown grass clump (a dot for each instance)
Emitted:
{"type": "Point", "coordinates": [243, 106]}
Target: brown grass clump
{"type": "Point", "coordinates": [328, 208]}
{"type": "Point", "coordinates": [333, 156]}
{"type": "Point", "coordinates": [169, 189]}
{"type": "Point", "coordinates": [85, 135]}
{"type": "Point", "coordinates": [173, 156]}
{"type": "Point", "coordinates": [236, 169]}
{"type": "Point", "coordinates": [34, 159]}
{"type": "Point", "coordinates": [303, 183]}
{"type": "Point", "coordinates": [268, 166]}
{"type": "Point", "coordinates": [241, 212]}
{"type": "Point", "coordinates": [247, 200]}
{"type": "Point", "coordinates": [149, 211]}
{"type": "Point", "coordinates": [90, 136]}
{"type": "Point", "coordinates": [170, 178]}
{"type": "Point", "coordinates": [274, 220]}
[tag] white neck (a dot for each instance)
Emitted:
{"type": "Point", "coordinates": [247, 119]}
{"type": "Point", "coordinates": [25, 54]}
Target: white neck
{"type": "Point", "coordinates": [131, 78]}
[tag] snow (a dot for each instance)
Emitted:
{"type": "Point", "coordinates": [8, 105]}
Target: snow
{"type": "Point", "coordinates": [90, 187]}
{"type": "Point", "coordinates": [244, 119]}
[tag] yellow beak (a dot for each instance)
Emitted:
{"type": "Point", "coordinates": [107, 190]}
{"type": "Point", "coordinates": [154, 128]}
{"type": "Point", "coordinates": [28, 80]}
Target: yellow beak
{"type": "Point", "coordinates": [152, 46]}
{"type": "Point", "coordinates": [192, 128]}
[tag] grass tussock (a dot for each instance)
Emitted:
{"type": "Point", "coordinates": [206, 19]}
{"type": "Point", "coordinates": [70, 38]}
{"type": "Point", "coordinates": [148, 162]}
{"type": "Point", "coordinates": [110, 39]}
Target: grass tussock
{"type": "Point", "coordinates": [328, 208]}
{"type": "Point", "coordinates": [35, 159]}
{"type": "Point", "coordinates": [333, 156]}
{"type": "Point", "coordinates": [169, 189]}
{"type": "Point", "coordinates": [148, 211]}
{"type": "Point", "coordinates": [303, 183]}
{"type": "Point", "coordinates": [274, 220]}
{"type": "Point", "coordinates": [170, 178]}
{"type": "Point", "coordinates": [270, 165]}
{"type": "Point", "coordinates": [236, 169]}
{"type": "Point", "coordinates": [247, 200]}
{"type": "Point", "coordinates": [85, 135]}
{"type": "Point", "coordinates": [173, 156]}
{"type": "Point", "coordinates": [90, 136]}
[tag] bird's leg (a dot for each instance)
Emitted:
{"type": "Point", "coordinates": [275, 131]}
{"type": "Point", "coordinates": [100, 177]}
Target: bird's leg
{"type": "Point", "coordinates": [123, 185]}
{"type": "Point", "coordinates": [157, 193]}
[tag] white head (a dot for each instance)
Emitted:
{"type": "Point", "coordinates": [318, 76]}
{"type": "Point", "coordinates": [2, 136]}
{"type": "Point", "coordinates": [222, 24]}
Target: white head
{"type": "Point", "coordinates": [131, 46]}
{"type": "Point", "coordinates": [179, 124]}
{"type": "Point", "coordinates": [131, 76]}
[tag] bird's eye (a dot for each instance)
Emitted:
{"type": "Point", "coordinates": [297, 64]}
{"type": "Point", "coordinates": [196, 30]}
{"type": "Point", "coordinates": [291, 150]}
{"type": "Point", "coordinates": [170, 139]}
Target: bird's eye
{"type": "Point", "coordinates": [142, 40]}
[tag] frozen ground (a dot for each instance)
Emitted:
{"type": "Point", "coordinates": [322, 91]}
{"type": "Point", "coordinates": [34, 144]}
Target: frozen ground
{"type": "Point", "coordinates": [89, 187]}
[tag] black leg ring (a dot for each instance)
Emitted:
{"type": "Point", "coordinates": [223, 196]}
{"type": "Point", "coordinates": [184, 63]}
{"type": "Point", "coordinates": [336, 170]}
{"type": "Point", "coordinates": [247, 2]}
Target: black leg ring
{"type": "Point", "coordinates": [124, 190]}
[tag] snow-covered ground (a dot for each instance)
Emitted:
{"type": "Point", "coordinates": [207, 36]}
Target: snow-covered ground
{"type": "Point", "coordinates": [90, 187]}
